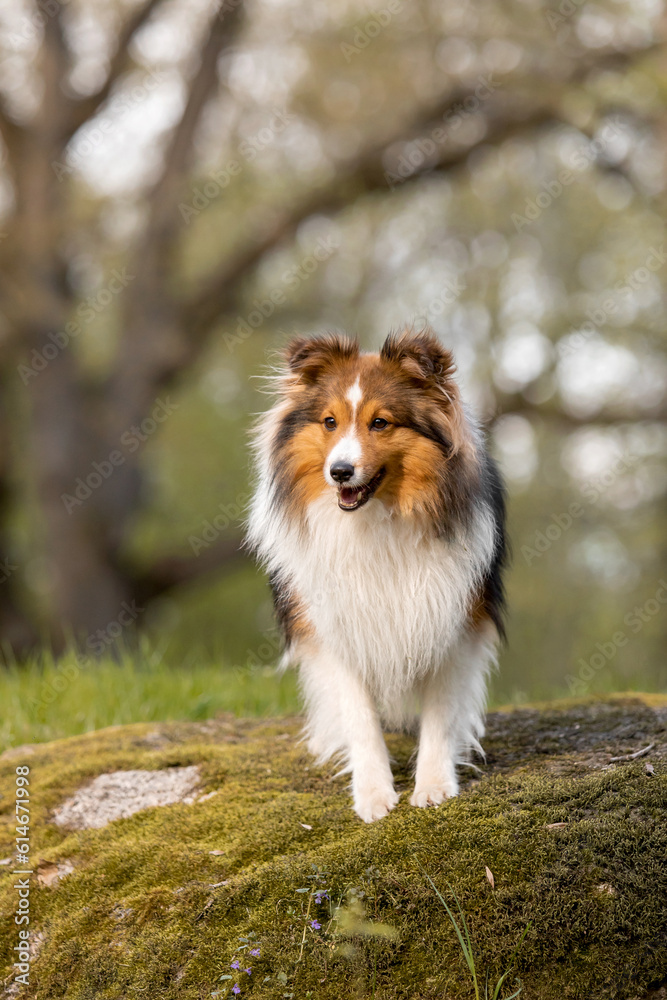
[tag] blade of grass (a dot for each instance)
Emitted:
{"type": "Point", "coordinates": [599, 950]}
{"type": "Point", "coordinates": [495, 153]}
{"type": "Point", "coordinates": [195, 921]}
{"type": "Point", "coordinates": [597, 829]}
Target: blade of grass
{"type": "Point", "coordinates": [500, 982]}
{"type": "Point", "coordinates": [465, 926]}
{"type": "Point", "coordinates": [496, 992]}
{"type": "Point", "coordinates": [466, 946]}
{"type": "Point", "coordinates": [466, 942]}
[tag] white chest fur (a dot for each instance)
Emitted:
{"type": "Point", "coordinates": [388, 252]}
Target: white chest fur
{"type": "Point", "coordinates": [383, 594]}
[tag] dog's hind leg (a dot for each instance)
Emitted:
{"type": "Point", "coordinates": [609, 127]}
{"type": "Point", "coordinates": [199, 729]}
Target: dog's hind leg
{"type": "Point", "coordinates": [342, 721]}
{"type": "Point", "coordinates": [452, 722]}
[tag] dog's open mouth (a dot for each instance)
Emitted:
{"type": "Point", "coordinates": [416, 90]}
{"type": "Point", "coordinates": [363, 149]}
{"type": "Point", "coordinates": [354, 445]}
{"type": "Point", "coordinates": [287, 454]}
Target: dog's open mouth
{"type": "Point", "coordinates": [352, 497]}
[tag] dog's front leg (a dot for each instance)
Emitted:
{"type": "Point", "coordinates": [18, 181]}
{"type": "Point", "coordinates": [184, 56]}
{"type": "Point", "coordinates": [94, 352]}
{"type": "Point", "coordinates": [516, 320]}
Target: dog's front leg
{"type": "Point", "coordinates": [452, 720]}
{"type": "Point", "coordinates": [372, 780]}
{"type": "Point", "coordinates": [435, 777]}
{"type": "Point", "coordinates": [343, 720]}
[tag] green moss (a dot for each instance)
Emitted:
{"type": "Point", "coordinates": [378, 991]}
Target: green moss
{"type": "Point", "coordinates": [144, 914]}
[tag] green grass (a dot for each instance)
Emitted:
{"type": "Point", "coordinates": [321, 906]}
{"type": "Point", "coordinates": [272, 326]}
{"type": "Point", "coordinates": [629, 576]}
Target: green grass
{"type": "Point", "coordinates": [50, 698]}
{"type": "Point", "coordinates": [463, 936]}
{"type": "Point", "coordinates": [46, 699]}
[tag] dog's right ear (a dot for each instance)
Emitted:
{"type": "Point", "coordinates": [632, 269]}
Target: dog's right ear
{"type": "Point", "coordinates": [311, 357]}
{"type": "Point", "coordinates": [423, 358]}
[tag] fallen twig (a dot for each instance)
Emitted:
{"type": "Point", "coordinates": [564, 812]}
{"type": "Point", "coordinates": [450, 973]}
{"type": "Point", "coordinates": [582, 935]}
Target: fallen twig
{"type": "Point", "coordinates": [632, 756]}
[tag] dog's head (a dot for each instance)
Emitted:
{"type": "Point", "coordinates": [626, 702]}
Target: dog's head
{"type": "Point", "coordinates": [364, 427]}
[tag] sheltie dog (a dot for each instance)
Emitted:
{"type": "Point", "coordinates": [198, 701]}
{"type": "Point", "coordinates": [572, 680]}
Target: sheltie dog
{"type": "Point", "coordinates": [380, 518]}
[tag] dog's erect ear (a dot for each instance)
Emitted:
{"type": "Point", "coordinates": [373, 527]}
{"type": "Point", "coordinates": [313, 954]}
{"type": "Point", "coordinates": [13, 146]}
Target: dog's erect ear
{"type": "Point", "coordinates": [430, 366]}
{"type": "Point", "coordinates": [423, 358]}
{"type": "Point", "coordinates": [311, 357]}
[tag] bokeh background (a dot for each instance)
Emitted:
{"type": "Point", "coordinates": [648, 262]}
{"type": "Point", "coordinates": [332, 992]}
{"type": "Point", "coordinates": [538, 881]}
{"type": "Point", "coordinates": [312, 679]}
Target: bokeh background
{"type": "Point", "coordinates": [185, 185]}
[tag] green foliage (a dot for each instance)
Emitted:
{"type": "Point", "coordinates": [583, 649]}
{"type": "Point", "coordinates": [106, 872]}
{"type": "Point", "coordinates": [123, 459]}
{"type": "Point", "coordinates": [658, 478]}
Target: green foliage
{"type": "Point", "coordinates": [49, 698]}
{"type": "Point", "coordinates": [150, 911]}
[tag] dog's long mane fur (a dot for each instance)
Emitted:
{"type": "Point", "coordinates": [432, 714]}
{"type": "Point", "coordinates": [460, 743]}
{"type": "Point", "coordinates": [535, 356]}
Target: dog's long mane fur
{"type": "Point", "coordinates": [412, 581]}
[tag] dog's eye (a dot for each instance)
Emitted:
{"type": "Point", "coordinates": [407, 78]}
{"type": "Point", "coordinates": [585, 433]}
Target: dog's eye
{"type": "Point", "coordinates": [379, 424]}
{"type": "Point", "coordinates": [330, 423]}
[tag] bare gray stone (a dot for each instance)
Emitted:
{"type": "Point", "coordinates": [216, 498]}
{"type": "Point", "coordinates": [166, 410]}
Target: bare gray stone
{"type": "Point", "coordinates": [123, 793]}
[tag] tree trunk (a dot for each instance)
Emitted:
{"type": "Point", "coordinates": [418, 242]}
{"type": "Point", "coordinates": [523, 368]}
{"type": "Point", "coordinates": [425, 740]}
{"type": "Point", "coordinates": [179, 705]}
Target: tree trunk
{"type": "Point", "coordinates": [87, 590]}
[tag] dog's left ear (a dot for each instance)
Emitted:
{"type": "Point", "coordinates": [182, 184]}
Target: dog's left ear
{"type": "Point", "coordinates": [430, 366]}
{"type": "Point", "coordinates": [422, 356]}
{"type": "Point", "coordinates": [311, 357]}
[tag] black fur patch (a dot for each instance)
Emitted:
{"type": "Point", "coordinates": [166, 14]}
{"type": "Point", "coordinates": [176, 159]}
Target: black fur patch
{"type": "Point", "coordinates": [293, 421]}
{"type": "Point", "coordinates": [284, 606]}
{"type": "Point", "coordinates": [493, 493]}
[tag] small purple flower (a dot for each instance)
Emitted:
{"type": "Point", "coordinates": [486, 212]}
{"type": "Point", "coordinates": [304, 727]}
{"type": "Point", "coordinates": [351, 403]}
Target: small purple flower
{"type": "Point", "coordinates": [314, 924]}
{"type": "Point", "coordinates": [235, 964]}
{"type": "Point", "coordinates": [236, 988]}
{"type": "Point", "coordinates": [249, 971]}
{"type": "Point", "coordinates": [254, 952]}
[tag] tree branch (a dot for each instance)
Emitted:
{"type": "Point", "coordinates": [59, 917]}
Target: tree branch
{"type": "Point", "coordinates": [552, 412]}
{"type": "Point", "coordinates": [84, 109]}
{"type": "Point", "coordinates": [11, 134]}
{"type": "Point", "coordinates": [152, 340]}
{"type": "Point", "coordinates": [175, 571]}
{"type": "Point", "coordinates": [163, 199]}
{"type": "Point", "coordinates": [369, 173]}
{"type": "Point", "coordinates": [162, 338]}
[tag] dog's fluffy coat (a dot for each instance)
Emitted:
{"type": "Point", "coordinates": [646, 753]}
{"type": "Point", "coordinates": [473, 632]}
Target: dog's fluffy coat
{"type": "Point", "coordinates": [380, 518]}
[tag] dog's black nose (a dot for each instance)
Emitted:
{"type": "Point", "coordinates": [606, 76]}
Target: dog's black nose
{"type": "Point", "coordinates": [341, 471]}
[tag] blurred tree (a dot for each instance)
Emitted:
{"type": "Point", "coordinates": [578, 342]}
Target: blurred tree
{"type": "Point", "coordinates": [83, 423]}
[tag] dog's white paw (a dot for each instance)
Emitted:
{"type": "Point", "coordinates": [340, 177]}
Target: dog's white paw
{"type": "Point", "coordinates": [372, 804]}
{"type": "Point", "coordinates": [432, 795]}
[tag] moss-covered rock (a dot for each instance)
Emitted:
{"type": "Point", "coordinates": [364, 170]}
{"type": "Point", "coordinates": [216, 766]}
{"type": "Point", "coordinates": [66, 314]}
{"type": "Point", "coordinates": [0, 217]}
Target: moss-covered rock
{"type": "Point", "coordinates": [270, 857]}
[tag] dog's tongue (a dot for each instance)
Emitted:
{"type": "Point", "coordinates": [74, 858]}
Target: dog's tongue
{"type": "Point", "coordinates": [349, 494]}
